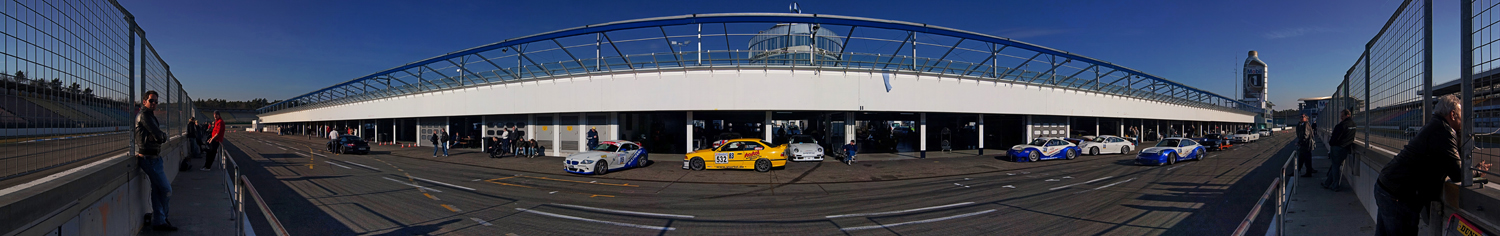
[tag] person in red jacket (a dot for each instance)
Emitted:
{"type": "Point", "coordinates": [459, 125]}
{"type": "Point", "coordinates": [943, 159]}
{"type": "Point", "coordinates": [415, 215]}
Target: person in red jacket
{"type": "Point", "coordinates": [215, 139]}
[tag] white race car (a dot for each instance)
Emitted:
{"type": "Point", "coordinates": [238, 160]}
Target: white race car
{"type": "Point", "coordinates": [1105, 144]}
{"type": "Point", "coordinates": [1244, 136]}
{"type": "Point", "coordinates": [804, 148]}
{"type": "Point", "coordinates": [608, 156]}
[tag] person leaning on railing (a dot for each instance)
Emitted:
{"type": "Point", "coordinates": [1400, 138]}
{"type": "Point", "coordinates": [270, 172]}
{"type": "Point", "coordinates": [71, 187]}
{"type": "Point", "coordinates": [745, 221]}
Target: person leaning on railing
{"type": "Point", "coordinates": [1340, 144]}
{"type": "Point", "coordinates": [149, 138]}
{"type": "Point", "coordinates": [1415, 176]}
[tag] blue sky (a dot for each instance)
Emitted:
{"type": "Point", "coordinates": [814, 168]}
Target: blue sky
{"type": "Point", "coordinates": [239, 50]}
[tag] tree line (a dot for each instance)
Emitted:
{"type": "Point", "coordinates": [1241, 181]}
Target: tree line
{"type": "Point", "coordinates": [214, 103]}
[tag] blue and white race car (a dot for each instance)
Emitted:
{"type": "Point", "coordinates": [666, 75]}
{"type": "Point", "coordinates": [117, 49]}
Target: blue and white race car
{"type": "Point", "coordinates": [1044, 149]}
{"type": "Point", "coordinates": [608, 156]}
{"type": "Point", "coordinates": [1170, 151]}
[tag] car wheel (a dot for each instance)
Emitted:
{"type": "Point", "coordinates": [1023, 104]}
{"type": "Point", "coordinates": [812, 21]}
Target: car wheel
{"type": "Point", "coordinates": [1034, 156]}
{"type": "Point", "coordinates": [696, 164]}
{"type": "Point", "coordinates": [601, 167]}
{"type": "Point", "coordinates": [762, 165]}
{"type": "Point", "coordinates": [1094, 151]}
{"type": "Point", "coordinates": [1172, 158]}
{"type": "Point", "coordinates": [1124, 150]}
{"type": "Point", "coordinates": [1072, 154]}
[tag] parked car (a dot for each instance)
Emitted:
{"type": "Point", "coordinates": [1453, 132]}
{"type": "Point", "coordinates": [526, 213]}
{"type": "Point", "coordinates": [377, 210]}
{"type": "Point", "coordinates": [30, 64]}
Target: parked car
{"type": "Point", "coordinates": [1105, 144]}
{"type": "Point", "coordinates": [350, 144]}
{"type": "Point", "coordinates": [1214, 142]}
{"type": "Point", "coordinates": [608, 156]}
{"type": "Point", "coordinates": [1044, 149]}
{"type": "Point", "coordinates": [1243, 136]}
{"type": "Point", "coordinates": [742, 153]}
{"type": "Point", "coordinates": [1170, 151]}
{"type": "Point", "coordinates": [804, 148]}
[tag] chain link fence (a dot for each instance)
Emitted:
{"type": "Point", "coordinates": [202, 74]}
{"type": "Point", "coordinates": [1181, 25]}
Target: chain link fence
{"type": "Point", "coordinates": [70, 92]}
{"type": "Point", "coordinates": [1385, 88]}
{"type": "Point", "coordinates": [1478, 84]}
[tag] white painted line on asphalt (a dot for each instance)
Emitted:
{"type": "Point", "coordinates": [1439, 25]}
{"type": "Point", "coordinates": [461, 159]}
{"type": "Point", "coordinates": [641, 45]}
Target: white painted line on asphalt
{"type": "Point", "coordinates": [1179, 166]}
{"type": "Point", "coordinates": [624, 212]}
{"type": "Point", "coordinates": [1053, 180]}
{"type": "Point", "coordinates": [902, 211]}
{"type": "Point", "coordinates": [596, 221]}
{"type": "Point", "coordinates": [321, 155]}
{"type": "Point", "coordinates": [1076, 184]}
{"type": "Point", "coordinates": [917, 222]}
{"type": "Point", "coordinates": [1113, 184]}
{"type": "Point", "coordinates": [444, 184]}
{"type": "Point", "coordinates": [282, 148]}
{"type": "Point", "coordinates": [357, 164]}
{"type": "Point", "coordinates": [481, 222]}
{"type": "Point", "coordinates": [413, 185]}
{"type": "Point", "coordinates": [337, 164]}
{"type": "Point", "coordinates": [1008, 186]}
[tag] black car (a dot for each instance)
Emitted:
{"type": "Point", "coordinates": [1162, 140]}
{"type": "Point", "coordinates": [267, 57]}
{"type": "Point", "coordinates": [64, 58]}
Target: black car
{"type": "Point", "coordinates": [1214, 142]}
{"type": "Point", "coordinates": [350, 144]}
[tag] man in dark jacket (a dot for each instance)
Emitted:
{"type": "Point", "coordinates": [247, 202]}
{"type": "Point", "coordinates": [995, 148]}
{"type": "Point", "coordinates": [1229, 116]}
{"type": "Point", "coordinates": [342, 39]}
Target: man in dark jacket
{"type": "Point", "coordinates": [1416, 175]}
{"type": "Point", "coordinates": [1304, 148]}
{"type": "Point", "coordinates": [436, 140]}
{"type": "Point", "coordinates": [593, 138]}
{"type": "Point", "coordinates": [149, 138]}
{"type": "Point", "coordinates": [1339, 145]}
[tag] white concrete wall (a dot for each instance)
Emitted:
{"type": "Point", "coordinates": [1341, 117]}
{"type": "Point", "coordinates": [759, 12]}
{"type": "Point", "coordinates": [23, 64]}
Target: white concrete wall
{"type": "Point", "coordinates": [771, 89]}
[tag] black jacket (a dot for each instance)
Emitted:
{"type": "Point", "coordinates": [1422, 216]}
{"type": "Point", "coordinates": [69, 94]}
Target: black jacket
{"type": "Point", "coordinates": [434, 139]}
{"type": "Point", "coordinates": [1343, 134]}
{"type": "Point", "coordinates": [148, 134]}
{"type": "Point", "coordinates": [1416, 174]}
{"type": "Point", "coordinates": [1303, 139]}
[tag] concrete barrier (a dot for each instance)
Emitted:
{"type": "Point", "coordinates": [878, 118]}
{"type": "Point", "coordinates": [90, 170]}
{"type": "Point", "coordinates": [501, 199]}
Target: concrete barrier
{"type": "Point", "coordinates": [108, 196]}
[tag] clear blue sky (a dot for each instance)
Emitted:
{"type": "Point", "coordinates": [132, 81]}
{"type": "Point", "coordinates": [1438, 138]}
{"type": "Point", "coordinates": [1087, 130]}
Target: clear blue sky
{"type": "Point", "coordinates": [239, 50]}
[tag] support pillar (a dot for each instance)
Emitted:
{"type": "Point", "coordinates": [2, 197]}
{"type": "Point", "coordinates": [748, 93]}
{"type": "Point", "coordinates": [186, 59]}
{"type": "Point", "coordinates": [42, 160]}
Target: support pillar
{"type": "Point", "coordinates": [1122, 127]}
{"type": "Point", "coordinates": [1096, 127]}
{"type": "Point", "coordinates": [556, 134]}
{"type": "Point", "coordinates": [530, 126]}
{"type": "Point", "coordinates": [583, 132]}
{"type": "Point", "coordinates": [849, 127]}
{"type": "Point", "coordinates": [922, 134]}
{"type": "Point", "coordinates": [1028, 136]}
{"type": "Point", "coordinates": [981, 133]}
{"type": "Point", "coordinates": [766, 127]}
{"type": "Point", "coordinates": [614, 126]}
{"type": "Point", "coordinates": [689, 146]}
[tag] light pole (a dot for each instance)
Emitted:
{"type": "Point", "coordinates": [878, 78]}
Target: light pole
{"type": "Point", "coordinates": [680, 45]}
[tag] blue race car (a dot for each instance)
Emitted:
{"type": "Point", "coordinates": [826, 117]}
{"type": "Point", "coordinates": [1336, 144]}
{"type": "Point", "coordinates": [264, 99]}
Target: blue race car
{"type": "Point", "coordinates": [1044, 149]}
{"type": "Point", "coordinates": [1170, 151]}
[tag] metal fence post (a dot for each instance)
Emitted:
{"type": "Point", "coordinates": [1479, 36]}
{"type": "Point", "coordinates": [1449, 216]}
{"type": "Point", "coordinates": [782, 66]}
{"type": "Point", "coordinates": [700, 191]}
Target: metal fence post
{"type": "Point", "coordinates": [1466, 78]}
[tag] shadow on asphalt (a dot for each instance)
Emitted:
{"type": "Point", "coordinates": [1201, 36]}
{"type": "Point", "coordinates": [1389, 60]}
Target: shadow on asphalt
{"type": "Point", "coordinates": [1223, 213]}
{"type": "Point", "coordinates": [286, 202]}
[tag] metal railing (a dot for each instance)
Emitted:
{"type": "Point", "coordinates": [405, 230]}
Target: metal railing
{"type": "Point", "coordinates": [679, 42]}
{"type": "Point", "coordinates": [237, 185]}
{"type": "Point", "coordinates": [1280, 192]}
{"type": "Point", "coordinates": [71, 77]}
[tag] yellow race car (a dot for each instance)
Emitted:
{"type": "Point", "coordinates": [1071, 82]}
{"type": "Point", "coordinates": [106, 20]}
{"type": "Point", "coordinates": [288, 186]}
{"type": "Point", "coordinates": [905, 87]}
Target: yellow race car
{"type": "Point", "coordinates": [744, 153]}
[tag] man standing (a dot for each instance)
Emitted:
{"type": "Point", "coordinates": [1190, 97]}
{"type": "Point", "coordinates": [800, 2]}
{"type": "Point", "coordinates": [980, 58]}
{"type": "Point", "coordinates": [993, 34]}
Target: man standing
{"type": "Point", "coordinates": [1340, 144]}
{"type": "Point", "coordinates": [1304, 148]}
{"type": "Point", "coordinates": [436, 146]}
{"type": "Point", "coordinates": [149, 138]}
{"type": "Point", "coordinates": [215, 140]}
{"type": "Point", "coordinates": [333, 138]}
{"type": "Point", "coordinates": [195, 137]}
{"type": "Point", "coordinates": [1416, 175]}
{"type": "Point", "coordinates": [446, 139]}
{"type": "Point", "coordinates": [593, 138]}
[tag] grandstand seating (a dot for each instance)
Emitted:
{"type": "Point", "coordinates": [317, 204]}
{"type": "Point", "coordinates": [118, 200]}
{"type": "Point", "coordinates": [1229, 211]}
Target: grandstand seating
{"type": "Point", "coordinates": [61, 110]}
{"type": "Point", "coordinates": [8, 119]}
{"type": "Point", "coordinates": [32, 113]}
{"type": "Point", "coordinates": [95, 116]}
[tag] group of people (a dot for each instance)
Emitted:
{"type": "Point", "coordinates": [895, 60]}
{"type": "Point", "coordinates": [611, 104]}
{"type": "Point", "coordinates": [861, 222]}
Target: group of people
{"type": "Point", "coordinates": [512, 141]}
{"type": "Point", "coordinates": [149, 137]}
{"type": "Point", "coordinates": [1413, 178]}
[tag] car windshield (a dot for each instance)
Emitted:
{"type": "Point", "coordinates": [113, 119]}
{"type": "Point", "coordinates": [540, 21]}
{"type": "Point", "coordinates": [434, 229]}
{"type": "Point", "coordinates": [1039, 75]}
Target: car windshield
{"type": "Point", "coordinates": [1169, 143]}
{"type": "Point", "coordinates": [606, 147]}
{"type": "Point", "coordinates": [803, 139]}
{"type": "Point", "coordinates": [351, 138]}
{"type": "Point", "coordinates": [1099, 139]}
{"type": "Point", "coordinates": [1038, 142]}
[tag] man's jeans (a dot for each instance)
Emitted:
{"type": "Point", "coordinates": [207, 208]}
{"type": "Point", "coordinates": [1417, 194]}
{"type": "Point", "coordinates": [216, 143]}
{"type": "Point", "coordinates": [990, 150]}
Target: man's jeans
{"type": "Point", "coordinates": [438, 147]}
{"type": "Point", "coordinates": [1395, 217]}
{"type": "Point", "coordinates": [161, 190]}
{"type": "Point", "coordinates": [1337, 155]}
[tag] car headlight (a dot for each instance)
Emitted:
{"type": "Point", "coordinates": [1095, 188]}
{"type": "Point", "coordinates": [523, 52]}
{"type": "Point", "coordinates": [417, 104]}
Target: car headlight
{"type": "Point", "coordinates": [794, 150]}
{"type": "Point", "coordinates": [820, 150]}
{"type": "Point", "coordinates": [587, 162]}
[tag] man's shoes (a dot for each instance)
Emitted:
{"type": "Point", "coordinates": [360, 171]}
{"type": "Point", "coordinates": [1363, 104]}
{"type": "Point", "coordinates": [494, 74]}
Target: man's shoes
{"type": "Point", "coordinates": [204, 169]}
{"type": "Point", "coordinates": [164, 227]}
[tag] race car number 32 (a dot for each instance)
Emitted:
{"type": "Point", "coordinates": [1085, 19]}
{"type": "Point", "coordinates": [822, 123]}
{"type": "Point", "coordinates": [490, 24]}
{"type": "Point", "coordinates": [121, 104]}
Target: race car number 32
{"type": "Point", "coordinates": [722, 158]}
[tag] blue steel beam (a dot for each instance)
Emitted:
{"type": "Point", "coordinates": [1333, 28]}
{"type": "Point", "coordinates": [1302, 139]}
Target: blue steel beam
{"type": "Point", "coordinates": [766, 18]}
